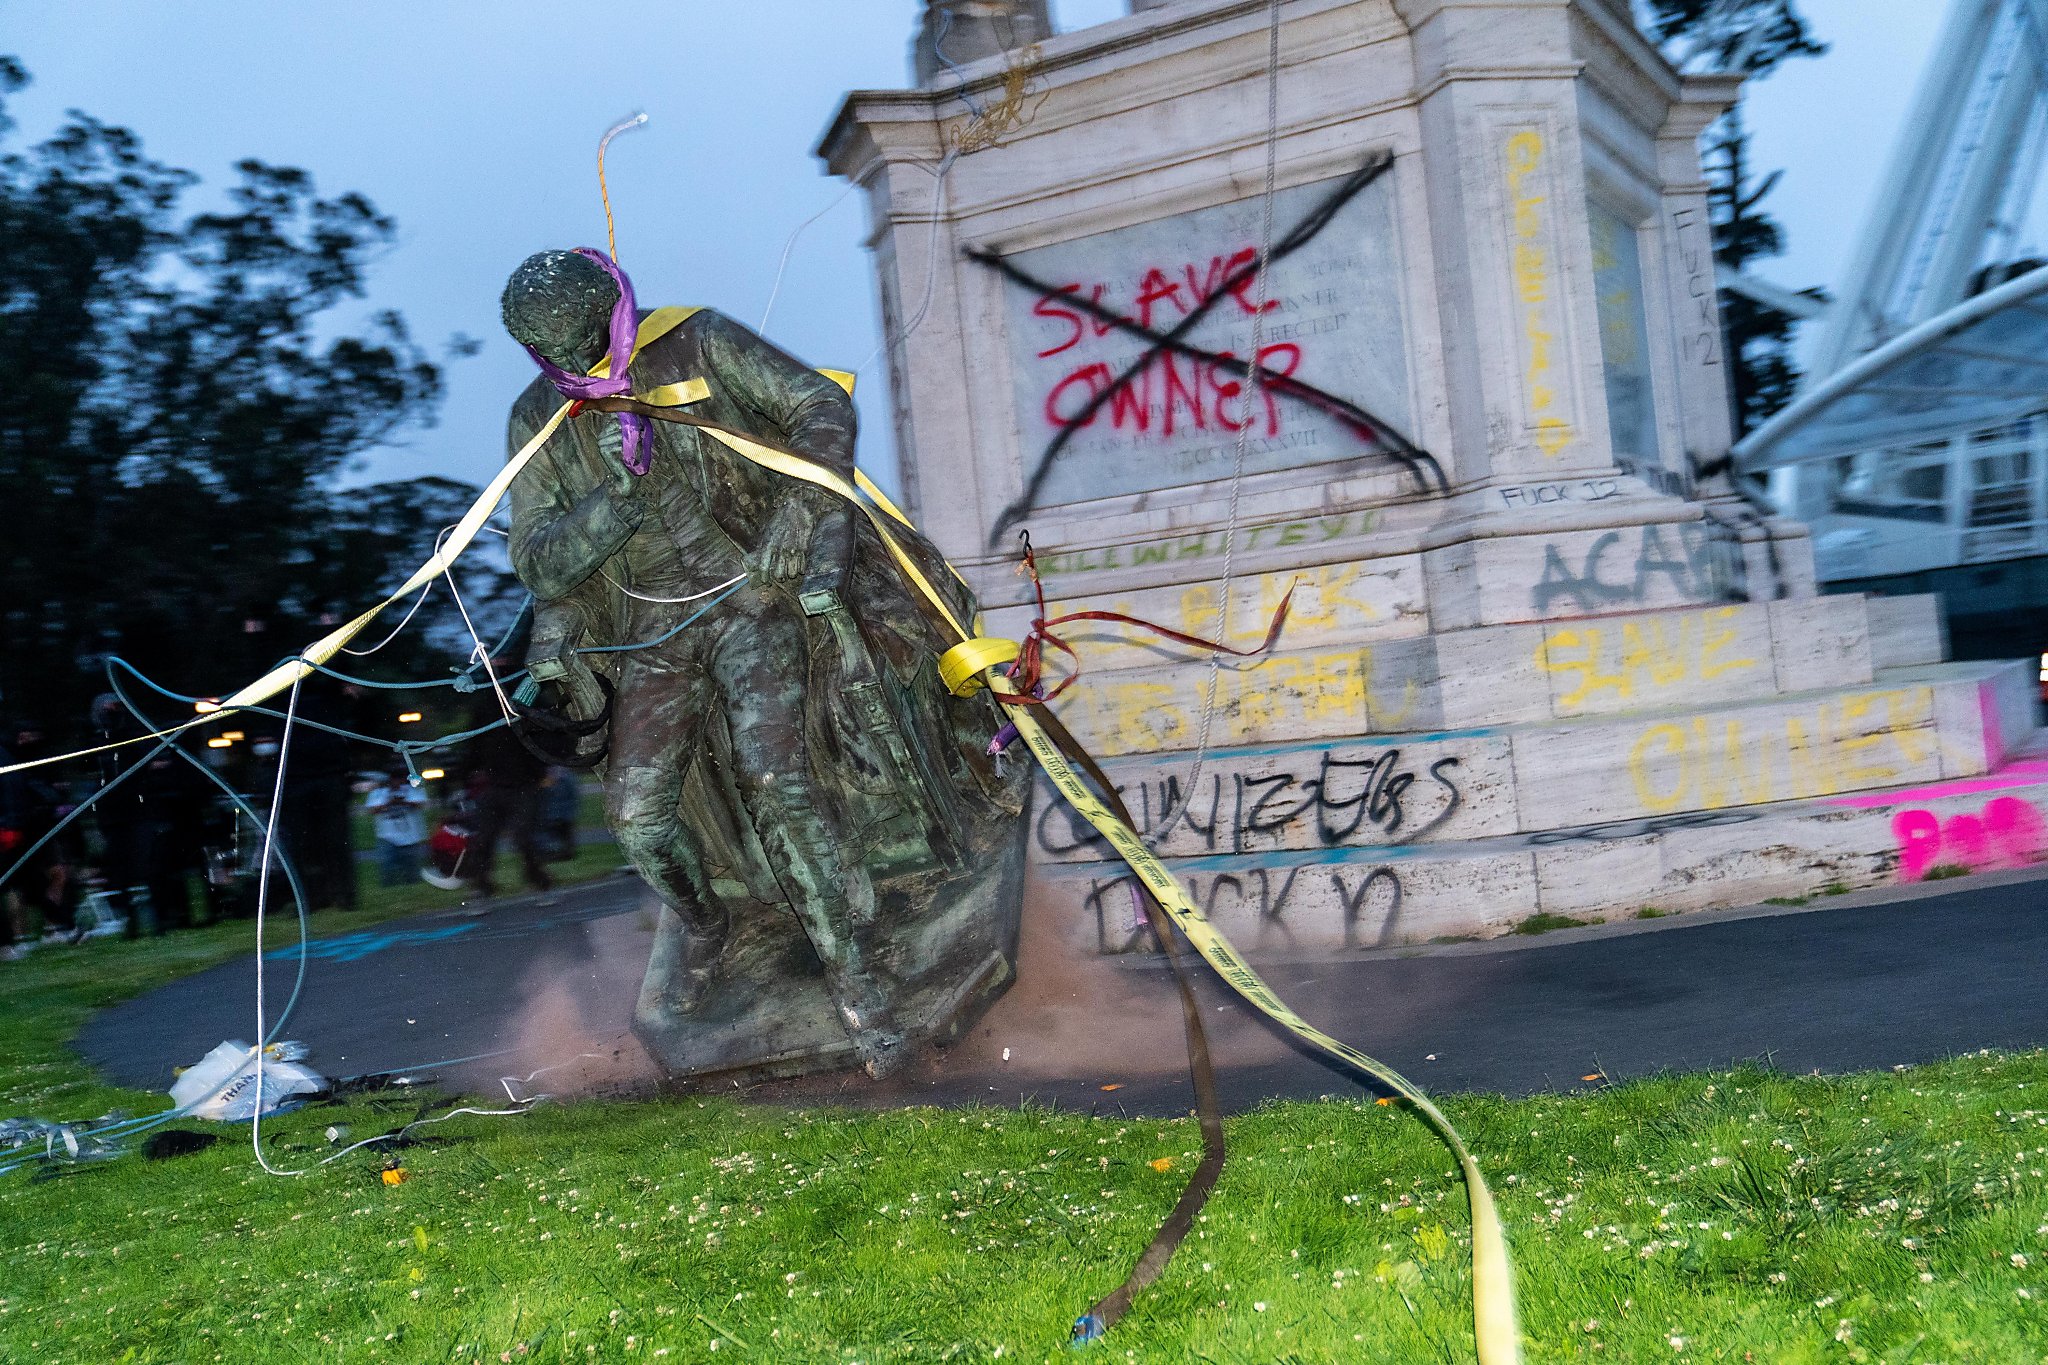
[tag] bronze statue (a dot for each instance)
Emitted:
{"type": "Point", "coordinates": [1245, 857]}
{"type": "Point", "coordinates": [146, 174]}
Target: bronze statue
{"type": "Point", "coordinates": [790, 749]}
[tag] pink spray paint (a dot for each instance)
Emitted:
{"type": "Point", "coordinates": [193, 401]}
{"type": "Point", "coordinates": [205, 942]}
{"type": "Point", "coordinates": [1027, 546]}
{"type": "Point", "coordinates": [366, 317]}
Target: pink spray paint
{"type": "Point", "coordinates": [2008, 832]}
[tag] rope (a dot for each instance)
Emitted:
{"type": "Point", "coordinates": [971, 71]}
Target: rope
{"type": "Point", "coordinates": [1006, 115]}
{"type": "Point", "coordinates": [939, 51]}
{"type": "Point", "coordinates": [734, 581]}
{"type": "Point", "coordinates": [1254, 374]}
{"type": "Point", "coordinates": [790, 245]}
{"type": "Point", "coordinates": [986, 129]}
{"type": "Point", "coordinates": [480, 653]}
{"type": "Point", "coordinates": [889, 343]}
{"type": "Point", "coordinates": [418, 602]}
{"type": "Point", "coordinates": [611, 239]}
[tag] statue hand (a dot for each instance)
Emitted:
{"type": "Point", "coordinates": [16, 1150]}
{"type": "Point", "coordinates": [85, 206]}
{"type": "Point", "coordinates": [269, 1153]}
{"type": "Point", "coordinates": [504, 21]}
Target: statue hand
{"type": "Point", "coordinates": [785, 552]}
{"type": "Point", "coordinates": [619, 480]}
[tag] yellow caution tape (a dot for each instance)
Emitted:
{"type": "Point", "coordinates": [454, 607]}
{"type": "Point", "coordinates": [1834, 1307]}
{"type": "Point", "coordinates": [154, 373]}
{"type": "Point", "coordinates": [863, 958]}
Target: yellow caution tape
{"type": "Point", "coordinates": [1493, 1290]}
{"type": "Point", "coordinates": [962, 666]}
{"type": "Point", "coordinates": [655, 325]}
{"type": "Point", "coordinates": [1493, 1293]}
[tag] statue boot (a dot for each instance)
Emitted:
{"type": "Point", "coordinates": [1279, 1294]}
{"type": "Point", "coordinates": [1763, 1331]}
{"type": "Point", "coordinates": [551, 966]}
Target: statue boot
{"type": "Point", "coordinates": [688, 949]}
{"type": "Point", "coordinates": [690, 940]}
{"type": "Point", "coordinates": [860, 994]}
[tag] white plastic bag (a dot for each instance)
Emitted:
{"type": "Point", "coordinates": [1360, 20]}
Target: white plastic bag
{"type": "Point", "coordinates": [223, 1084]}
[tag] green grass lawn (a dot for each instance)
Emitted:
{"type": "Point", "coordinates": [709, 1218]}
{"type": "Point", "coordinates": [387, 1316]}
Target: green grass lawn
{"type": "Point", "coordinates": [1744, 1216]}
{"type": "Point", "coordinates": [45, 998]}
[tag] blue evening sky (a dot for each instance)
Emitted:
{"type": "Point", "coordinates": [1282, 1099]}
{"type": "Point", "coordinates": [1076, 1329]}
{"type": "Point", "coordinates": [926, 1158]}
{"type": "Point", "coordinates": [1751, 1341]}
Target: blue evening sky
{"type": "Point", "coordinates": [474, 122]}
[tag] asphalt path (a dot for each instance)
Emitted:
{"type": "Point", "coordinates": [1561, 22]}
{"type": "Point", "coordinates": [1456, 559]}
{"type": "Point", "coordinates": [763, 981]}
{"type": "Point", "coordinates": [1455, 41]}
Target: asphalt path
{"type": "Point", "coordinates": [1870, 980]}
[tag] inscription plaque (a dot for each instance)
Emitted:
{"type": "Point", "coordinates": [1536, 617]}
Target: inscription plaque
{"type": "Point", "coordinates": [1333, 319]}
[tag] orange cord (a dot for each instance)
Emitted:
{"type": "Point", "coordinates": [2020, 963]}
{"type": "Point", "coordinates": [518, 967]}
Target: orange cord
{"type": "Point", "coordinates": [611, 239]}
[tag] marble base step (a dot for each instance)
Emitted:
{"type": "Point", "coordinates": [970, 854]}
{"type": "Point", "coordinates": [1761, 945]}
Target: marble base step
{"type": "Point", "coordinates": [1336, 674]}
{"type": "Point", "coordinates": [1912, 725]}
{"type": "Point", "coordinates": [1337, 899]}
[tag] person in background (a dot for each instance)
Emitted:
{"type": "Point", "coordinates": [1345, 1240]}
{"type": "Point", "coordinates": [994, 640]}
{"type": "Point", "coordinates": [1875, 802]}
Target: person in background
{"type": "Point", "coordinates": [45, 885]}
{"type": "Point", "coordinates": [119, 814]}
{"type": "Point", "coordinates": [148, 825]}
{"type": "Point", "coordinates": [396, 804]}
{"type": "Point", "coordinates": [315, 814]}
{"type": "Point", "coordinates": [13, 843]}
{"type": "Point", "coordinates": [561, 796]}
{"type": "Point", "coordinates": [506, 780]}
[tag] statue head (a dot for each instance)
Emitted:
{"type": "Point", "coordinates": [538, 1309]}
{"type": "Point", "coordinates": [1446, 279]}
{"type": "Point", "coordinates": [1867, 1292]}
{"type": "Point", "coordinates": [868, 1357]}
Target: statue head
{"type": "Point", "coordinates": [560, 304]}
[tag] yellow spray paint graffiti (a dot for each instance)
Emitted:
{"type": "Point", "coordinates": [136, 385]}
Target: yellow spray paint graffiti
{"type": "Point", "coordinates": [1860, 740]}
{"type": "Point", "coordinates": [1282, 697]}
{"type": "Point", "coordinates": [1642, 660]}
{"type": "Point", "coordinates": [1331, 602]}
{"type": "Point", "coordinates": [1329, 597]}
{"type": "Point", "coordinates": [1534, 291]}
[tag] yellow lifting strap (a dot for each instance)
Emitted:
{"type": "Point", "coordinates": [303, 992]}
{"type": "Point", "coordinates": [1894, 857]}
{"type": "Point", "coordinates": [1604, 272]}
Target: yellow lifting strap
{"type": "Point", "coordinates": [962, 666]}
{"type": "Point", "coordinates": [654, 326]}
{"type": "Point", "coordinates": [696, 390]}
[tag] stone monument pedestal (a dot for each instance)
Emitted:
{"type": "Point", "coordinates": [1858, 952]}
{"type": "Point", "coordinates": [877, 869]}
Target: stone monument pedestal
{"type": "Point", "coordinates": [1551, 667]}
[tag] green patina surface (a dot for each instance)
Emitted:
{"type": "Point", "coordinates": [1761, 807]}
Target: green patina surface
{"type": "Point", "coordinates": [787, 773]}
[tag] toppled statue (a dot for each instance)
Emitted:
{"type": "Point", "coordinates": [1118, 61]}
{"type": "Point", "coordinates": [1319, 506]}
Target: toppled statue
{"type": "Point", "coordinates": [839, 859]}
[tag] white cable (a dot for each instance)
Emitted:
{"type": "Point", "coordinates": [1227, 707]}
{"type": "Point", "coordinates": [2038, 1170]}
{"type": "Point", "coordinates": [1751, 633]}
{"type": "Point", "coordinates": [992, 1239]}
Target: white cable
{"type": "Point", "coordinates": [931, 262]}
{"type": "Point", "coordinates": [284, 745]}
{"type": "Point", "coordinates": [524, 1106]}
{"type": "Point", "coordinates": [262, 903]}
{"type": "Point", "coordinates": [790, 245]}
{"type": "Point", "coordinates": [506, 1081]}
{"type": "Point", "coordinates": [671, 601]}
{"type": "Point", "coordinates": [481, 653]}
{"type": "Point", "coordinates": [417, 603]}
{"type": "Point", "coordinates": [1253, 373]}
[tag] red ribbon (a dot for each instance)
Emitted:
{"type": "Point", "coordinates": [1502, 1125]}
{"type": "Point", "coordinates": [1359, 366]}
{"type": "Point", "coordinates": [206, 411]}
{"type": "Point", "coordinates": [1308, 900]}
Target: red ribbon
{"type": "Point", "coordinates": [1029, 666]}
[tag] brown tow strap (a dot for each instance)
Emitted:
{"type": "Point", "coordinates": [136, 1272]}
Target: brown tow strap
{"type": "Point", "coordinates": [1152, 1261]}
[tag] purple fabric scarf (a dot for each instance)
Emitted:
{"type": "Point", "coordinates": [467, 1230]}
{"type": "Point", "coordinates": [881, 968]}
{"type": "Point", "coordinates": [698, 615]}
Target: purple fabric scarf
{"type": "Point", "coordinates": [634, 452]}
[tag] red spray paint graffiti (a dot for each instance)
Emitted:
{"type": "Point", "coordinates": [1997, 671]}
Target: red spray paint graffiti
{"type": "Point", "coordinates": [1172, 392]}
{"type": "Point", "coordinates": [2008, 832]}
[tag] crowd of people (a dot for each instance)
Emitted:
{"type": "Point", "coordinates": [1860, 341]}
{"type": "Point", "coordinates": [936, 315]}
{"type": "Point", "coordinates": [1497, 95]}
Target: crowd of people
{"type": "Point", "coordinates": [166, 848]}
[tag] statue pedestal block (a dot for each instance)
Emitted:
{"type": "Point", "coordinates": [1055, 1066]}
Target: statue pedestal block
{"type": "Point", "coordinates": [1558, 662]}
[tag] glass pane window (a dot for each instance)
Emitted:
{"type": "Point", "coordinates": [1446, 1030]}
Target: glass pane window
{"type": "Point", "coordinates": [1904, 484]}
{"type": "Point", "coordinates": [1624, 336]}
